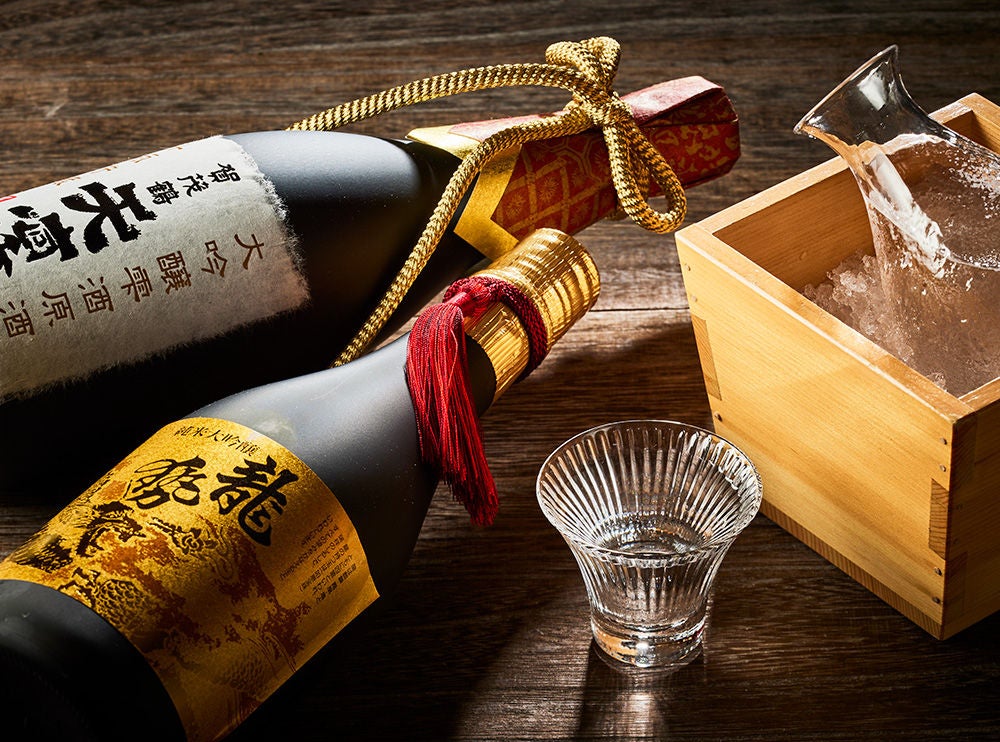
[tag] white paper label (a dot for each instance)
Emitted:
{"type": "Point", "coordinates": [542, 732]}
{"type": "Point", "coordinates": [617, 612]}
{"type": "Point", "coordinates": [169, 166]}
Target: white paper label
{"type": "Point", "coordinates": [121, 263]}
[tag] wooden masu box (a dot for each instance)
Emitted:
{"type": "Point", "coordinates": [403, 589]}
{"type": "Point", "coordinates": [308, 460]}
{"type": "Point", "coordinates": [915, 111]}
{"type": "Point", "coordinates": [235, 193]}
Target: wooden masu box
{"type": "Point", "coordinates": [866, 461]}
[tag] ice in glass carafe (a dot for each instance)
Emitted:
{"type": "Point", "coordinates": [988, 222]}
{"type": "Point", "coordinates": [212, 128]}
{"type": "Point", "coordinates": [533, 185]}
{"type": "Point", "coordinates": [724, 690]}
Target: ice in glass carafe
{"type": "Point", "coordinates": [933, 202]}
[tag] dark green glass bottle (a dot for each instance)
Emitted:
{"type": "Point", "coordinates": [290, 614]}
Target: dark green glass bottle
{"type": "Point", "coordinates": [194, 578]}
{"type": "Point", "coordinates": [131, 295]}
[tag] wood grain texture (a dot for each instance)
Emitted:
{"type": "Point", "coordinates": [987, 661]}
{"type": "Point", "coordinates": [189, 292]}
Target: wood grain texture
{"type": "Point", "coordinates": [862, 458]}
{"type": "Point", "coordinates": [487, 638]}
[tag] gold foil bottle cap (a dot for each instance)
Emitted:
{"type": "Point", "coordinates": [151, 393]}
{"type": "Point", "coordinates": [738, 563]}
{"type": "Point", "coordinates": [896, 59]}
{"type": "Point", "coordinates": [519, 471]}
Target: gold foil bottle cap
{"type": "Point", "coordinates": [559, 276]}
{"type": "Point", "coordinates": [557, 273]}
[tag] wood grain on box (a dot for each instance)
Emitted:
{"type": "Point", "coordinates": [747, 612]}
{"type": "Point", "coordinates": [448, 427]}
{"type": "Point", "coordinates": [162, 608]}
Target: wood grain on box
{"type": "Point", "coordinates": [863, 459]}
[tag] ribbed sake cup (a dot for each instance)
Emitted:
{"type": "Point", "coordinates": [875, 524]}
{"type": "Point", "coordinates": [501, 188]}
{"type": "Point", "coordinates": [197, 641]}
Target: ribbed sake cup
{"type": "Point", "coordinates": [649, 509]}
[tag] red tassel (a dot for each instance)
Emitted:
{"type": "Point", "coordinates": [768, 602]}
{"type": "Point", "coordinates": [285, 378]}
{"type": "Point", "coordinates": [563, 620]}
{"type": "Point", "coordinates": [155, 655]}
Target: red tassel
{"type": "Point", "coordinates": [437, 373]}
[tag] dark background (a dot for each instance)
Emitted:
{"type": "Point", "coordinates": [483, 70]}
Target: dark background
{"type": "Point", "coordinates": [487, 637]}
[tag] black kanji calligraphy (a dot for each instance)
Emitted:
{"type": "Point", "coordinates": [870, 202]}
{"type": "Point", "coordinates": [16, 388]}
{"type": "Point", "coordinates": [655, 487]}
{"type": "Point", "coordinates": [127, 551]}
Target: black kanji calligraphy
{"type": "Point", "coordinates": [224, 173]}
{"type": "Point", "coordinates": [107, 209]}
{"type": "Point", "coordinates": [163, 192]}
{"type": "Point", "coordinates": [258, 496]}
{"type": "Point", "coordinates": [161, 481]}
{"type": "Point", "coordinates": [38, 236]}
{"type": "Point", "coordinates": [194, 183]}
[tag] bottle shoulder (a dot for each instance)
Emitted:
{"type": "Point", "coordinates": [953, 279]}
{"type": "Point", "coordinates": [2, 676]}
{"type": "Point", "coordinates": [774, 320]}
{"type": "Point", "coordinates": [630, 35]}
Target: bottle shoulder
{"type": "Point", "coordinates": [313, 166]}
{"type": "Point", "coordinates": [357, 205]}
{"type": "Point", "coordinates": [365, 401]}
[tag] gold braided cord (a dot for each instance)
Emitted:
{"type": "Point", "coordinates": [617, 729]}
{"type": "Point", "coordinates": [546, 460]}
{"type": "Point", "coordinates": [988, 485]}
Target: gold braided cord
{"type": "Point", "coordinates": [586, 69]}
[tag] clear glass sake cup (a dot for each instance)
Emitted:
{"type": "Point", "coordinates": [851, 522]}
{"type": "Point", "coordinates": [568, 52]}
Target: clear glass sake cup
{"type": "Point", "coordinates": [649, 509]}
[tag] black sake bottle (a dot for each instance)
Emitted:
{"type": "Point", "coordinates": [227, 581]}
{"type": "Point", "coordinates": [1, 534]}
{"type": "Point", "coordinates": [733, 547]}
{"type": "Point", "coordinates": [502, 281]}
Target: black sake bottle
{"type": "Point", "coordinates": [186, 585]}
{"type": "Point", "coordinates": [132, 294]}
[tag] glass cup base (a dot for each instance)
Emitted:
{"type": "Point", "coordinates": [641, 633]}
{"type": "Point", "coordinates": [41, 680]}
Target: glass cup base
{"type": "Point", "coordinates": [667, 649]}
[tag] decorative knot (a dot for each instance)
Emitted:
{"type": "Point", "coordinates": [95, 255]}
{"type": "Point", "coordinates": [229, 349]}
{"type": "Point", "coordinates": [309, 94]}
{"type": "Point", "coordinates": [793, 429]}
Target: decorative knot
{"type": "Point", "coordinates": [612, 111]}
{"type": "Point", "coordinates": [632, 158]}
{"type": "Point", "coordinates": [587, 70]}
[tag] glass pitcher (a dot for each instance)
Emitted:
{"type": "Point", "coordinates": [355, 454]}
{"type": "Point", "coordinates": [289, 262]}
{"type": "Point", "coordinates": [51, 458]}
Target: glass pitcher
{"type": "Point", "coordinates": [933, 202]}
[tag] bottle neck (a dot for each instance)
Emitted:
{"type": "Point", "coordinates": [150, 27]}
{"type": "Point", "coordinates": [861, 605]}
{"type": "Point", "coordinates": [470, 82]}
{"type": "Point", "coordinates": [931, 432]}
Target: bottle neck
{"type": "Point", "coordinates": [558, 280]}
{"type": "Point", "coordinates": [500, 209]}
{"type": "Point", "coordinates": [502, 337]}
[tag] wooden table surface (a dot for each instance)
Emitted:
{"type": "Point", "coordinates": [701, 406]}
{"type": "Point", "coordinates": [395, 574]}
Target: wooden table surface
{"type": "Point", "coordinates": [487, 637]}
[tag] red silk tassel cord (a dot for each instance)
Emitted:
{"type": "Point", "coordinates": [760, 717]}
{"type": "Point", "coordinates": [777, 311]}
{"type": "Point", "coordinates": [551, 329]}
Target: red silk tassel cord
{"type": "Point", "coordinates": [437, 373]}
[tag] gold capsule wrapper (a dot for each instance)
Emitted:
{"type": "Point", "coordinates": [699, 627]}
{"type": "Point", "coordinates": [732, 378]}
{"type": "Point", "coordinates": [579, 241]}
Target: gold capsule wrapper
{"type": "Point", "coordinates": [557, 273]}
{"type": "Point", "coordinates": [503, 338]}
{"type": "Point", "coordinates": [559, 276]}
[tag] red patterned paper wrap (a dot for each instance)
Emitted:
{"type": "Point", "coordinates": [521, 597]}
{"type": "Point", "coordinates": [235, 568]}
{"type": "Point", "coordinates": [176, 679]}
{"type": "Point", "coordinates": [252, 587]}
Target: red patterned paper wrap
{"type": "Point", "coordinates": [566, 184]}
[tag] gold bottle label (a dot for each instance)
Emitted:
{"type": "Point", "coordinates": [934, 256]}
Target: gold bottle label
{"type": "Point", "coordinates": [220, 555]}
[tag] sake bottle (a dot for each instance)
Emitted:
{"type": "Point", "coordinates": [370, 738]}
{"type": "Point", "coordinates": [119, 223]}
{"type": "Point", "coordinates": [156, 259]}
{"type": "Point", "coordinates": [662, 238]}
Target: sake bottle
{"type": "Point", "coordinates": [194, 578]}
{"type": "Point", "coordinates": [132, 294]}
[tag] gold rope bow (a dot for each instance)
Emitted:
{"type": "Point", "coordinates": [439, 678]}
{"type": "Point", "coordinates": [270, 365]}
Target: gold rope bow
{"type": "Point", "coordinates": [586, 69]}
